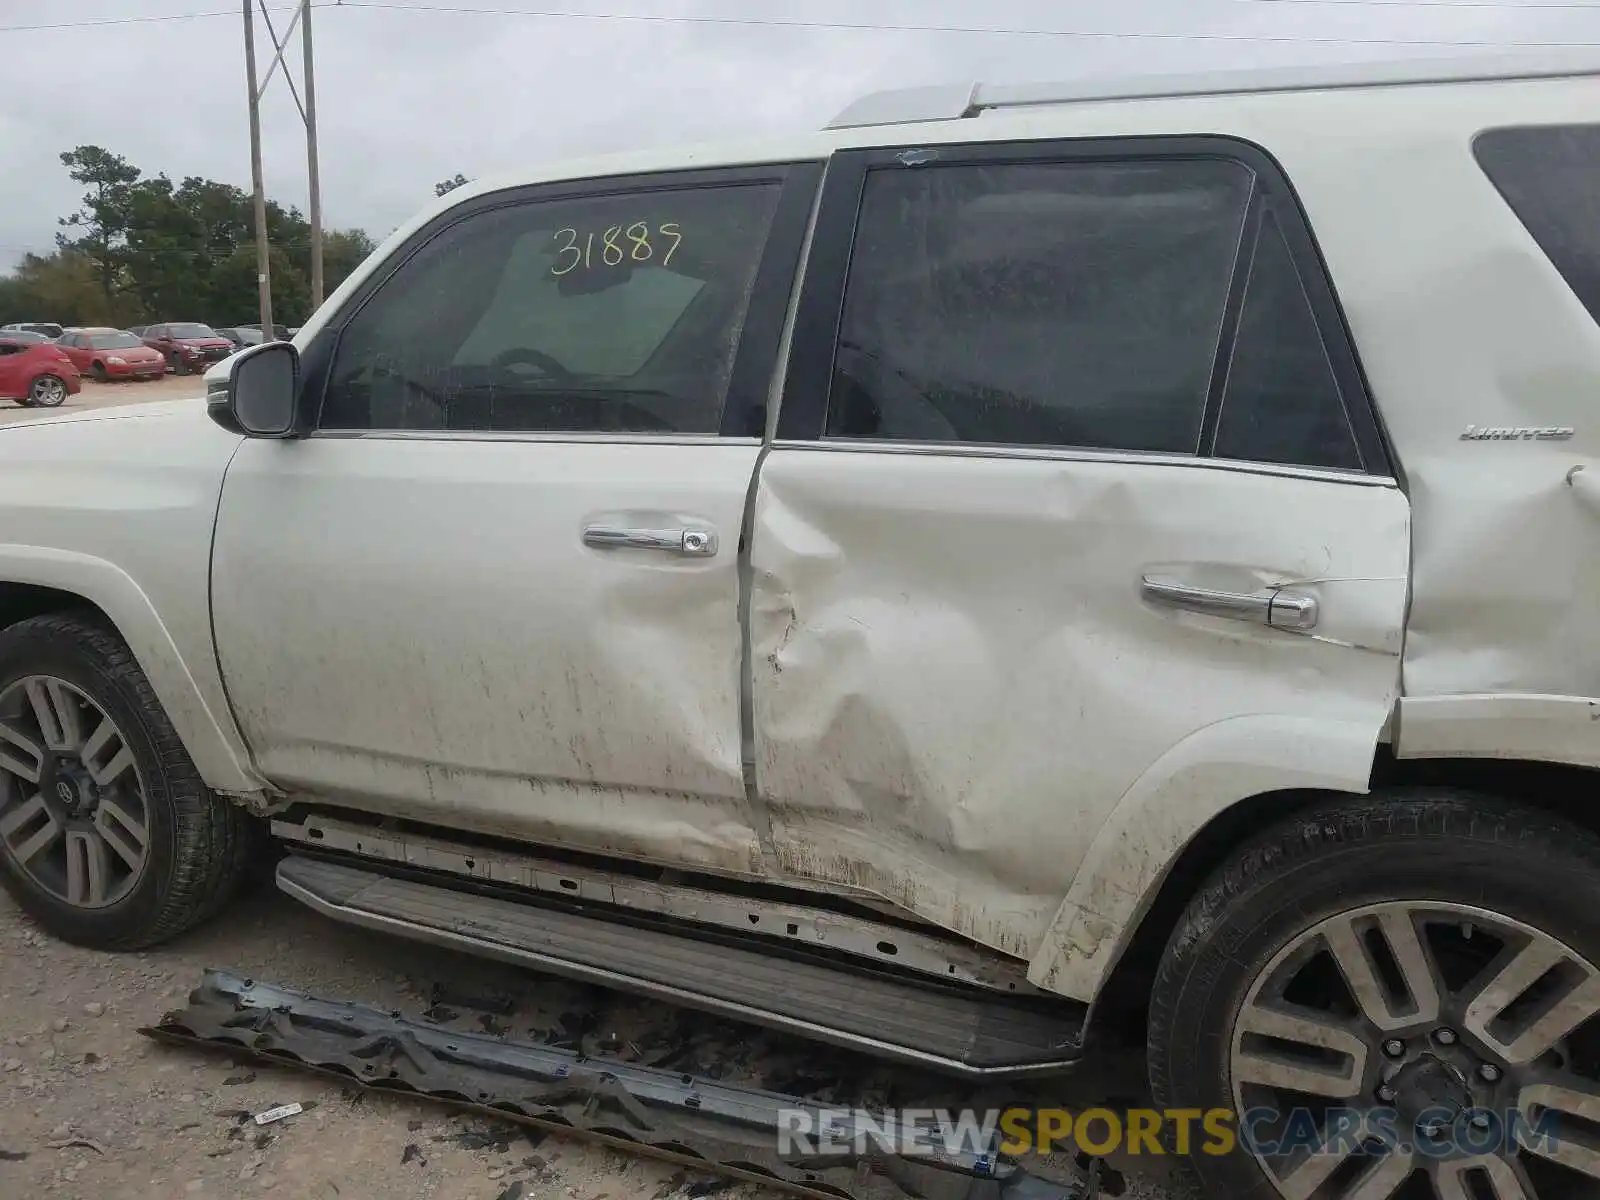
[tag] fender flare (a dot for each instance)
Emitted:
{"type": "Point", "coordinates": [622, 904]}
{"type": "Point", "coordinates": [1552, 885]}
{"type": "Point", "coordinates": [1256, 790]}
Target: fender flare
{"type": "Point", "coordinates": [213, 743]}
{"type": "Point", "coordinates": [1160, 815]}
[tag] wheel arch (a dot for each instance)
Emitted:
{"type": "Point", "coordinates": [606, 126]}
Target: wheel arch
{"type": "Point", "coordinates": [35, 581]}
{"type": "Point", "coordinates": [1554, 788]}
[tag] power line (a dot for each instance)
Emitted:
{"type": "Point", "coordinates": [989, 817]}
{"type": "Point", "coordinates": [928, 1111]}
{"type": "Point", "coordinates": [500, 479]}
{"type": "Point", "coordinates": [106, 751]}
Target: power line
{"type": "Point", "coordinates": [874, 27]}
{"type": "Point", "coordinates": [97, 22]}
{"type": "Point", "coordinates": [971, 30]}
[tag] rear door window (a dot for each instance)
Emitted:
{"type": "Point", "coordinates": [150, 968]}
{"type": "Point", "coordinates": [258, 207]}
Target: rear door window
{"type": "Point", "coordinates": [1169, 302]}
{"type": "Point", "coordinates": [1067, 304]}
{"type": "Point", "coordinates": [1550, 176]}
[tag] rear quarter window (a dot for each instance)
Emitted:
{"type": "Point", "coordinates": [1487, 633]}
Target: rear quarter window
{"type": "Point", "coordinates": [1550, 176]}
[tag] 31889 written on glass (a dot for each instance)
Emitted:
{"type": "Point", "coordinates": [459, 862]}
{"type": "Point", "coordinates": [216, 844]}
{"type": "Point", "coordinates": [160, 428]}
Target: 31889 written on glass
{"type": "Point", "coordinates": [617, 246]}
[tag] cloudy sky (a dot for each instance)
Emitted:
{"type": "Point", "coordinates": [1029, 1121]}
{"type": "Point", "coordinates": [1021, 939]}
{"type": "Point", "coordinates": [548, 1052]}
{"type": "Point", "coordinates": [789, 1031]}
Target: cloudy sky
{"type": "Point", "coordinates": [412, 91]}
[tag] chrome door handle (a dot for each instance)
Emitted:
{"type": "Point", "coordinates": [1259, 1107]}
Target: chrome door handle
{"type": "Point", "coordinates": [1270, 606]}
{"type": "Point", "coordinates": [692, 543]}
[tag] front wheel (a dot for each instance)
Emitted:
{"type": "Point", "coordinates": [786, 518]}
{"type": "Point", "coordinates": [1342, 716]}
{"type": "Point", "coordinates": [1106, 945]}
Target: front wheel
{"type": "Point", "coordinates": [108, 836]}
{"type": "Point", "coordinates": [175, 364]}
{"type": "Point", "coordinates": [47, 391]}
{"type": "Point", "coordinates": [1399, 999]}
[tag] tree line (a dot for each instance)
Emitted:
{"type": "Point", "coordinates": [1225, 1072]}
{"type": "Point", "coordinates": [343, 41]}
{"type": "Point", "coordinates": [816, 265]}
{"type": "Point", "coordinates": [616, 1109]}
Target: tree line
{"type": "Point", "coordinates": [143, 249]}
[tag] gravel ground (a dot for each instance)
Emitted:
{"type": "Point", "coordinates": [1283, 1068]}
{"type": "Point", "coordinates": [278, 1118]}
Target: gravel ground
{"type": "Point", "coordinates": [100, 1111]}
{"type": "Point", "coordinates": [104, 395]}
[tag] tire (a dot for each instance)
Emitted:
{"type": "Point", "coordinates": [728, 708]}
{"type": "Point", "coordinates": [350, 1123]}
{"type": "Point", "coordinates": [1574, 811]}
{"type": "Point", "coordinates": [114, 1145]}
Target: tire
{"type": "Point", "coordinates": [1417, 854]}
{"type": "Point", "coordinates": [175, 364]}
{"type": "Point", "coordinates": [98, 370]}
{"type": "Point", "coordinates": [196, 846]}
{"type": "Point", "coordinates": [47, 391]}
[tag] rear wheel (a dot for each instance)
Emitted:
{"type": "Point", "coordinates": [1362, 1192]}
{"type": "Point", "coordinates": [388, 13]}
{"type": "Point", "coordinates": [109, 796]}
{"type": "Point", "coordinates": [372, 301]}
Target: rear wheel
{"type": "Point", "coordinates": [1399, 999]}
{"type": "Point", "coordinates": [47, 391]}
{"type": "Point", "coordinates": [108, 836]}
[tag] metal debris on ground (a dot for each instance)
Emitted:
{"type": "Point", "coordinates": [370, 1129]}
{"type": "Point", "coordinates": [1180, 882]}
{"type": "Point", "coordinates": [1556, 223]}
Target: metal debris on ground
{"type": "Point", "coordinates": [698, 1123]}
{"type": "Point", "coordinates": [279, 1113]}
{"type": "Point", "coordinates": [69, 1143]}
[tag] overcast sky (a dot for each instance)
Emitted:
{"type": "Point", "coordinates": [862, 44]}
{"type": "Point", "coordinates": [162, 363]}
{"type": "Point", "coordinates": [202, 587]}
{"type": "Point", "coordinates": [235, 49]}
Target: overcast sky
{"type": "Point", "coordinates": [408, 97]}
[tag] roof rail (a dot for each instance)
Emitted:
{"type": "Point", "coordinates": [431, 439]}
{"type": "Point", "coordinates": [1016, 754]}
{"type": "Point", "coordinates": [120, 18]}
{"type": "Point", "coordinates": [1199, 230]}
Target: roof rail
{"type": "Point", "coordinates": [953, 102]}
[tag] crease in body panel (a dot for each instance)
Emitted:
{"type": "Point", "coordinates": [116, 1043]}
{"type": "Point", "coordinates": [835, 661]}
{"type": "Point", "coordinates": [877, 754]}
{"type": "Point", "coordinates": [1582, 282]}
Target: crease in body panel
{"type": "Point", "coordinates": [755, 800]}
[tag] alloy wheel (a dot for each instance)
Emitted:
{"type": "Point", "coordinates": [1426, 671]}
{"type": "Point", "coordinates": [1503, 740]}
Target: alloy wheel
{"type": "Point", "coordinates": [48, 391]}
{"type": "Point", "coordinates": [1422, 1050]}
{"type": "Point", "coordinates": [74, 812]}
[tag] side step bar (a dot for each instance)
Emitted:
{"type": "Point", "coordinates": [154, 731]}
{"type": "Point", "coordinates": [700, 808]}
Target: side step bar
{"type": "Point", "coordinates": [805, 926]}
{"type": "Point", "coordinates": [955, 1029]}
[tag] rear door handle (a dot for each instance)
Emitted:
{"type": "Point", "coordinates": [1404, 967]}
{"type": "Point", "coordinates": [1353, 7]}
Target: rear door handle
{"type": "Point", "coordinates": [691, 543]}
{"type": "Point", "coordinates": [1274, 607]}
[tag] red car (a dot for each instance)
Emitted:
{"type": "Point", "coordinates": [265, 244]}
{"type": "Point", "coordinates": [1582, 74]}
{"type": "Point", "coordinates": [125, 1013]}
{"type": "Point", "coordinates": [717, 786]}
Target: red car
{"type": "Point", "coordinates": [36, 374]}
{"type": "Point", "coordinates": [187, 345]}
{"type": "Point", "coordinates": [111, 354]}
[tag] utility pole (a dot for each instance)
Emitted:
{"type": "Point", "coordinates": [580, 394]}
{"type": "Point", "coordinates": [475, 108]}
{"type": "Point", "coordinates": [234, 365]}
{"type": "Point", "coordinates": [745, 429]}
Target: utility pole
{"type": "Point", "coordinates": [263, 258]}
{"type": "Point", "coordinates": [308, 116]}
{"type": "Point", "coordinates": [311, 159]}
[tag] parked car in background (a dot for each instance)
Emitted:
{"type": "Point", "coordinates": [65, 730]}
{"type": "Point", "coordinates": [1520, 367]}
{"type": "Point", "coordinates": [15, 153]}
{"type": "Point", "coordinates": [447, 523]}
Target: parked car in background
{"type": "Point", "coordinates": [137, 330]}
{"type": "Point", "coordinates": [106, 353]}
{"type": "Point", "coordinates": [25, 335]}
{"type": "Point", "coordinates": [280, 333]}
{"type": "Point", "coordinates": [48, 328]}
{"type": "Point", "coordinates": [36, 374]}
{"type": "Point", "coordinates": [187, 345]}
{"type": "Point", "coordinates": [242, 335]}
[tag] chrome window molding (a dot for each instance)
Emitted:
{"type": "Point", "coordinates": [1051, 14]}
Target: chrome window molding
{"type": "Point", "coordinates": [1079, 454]}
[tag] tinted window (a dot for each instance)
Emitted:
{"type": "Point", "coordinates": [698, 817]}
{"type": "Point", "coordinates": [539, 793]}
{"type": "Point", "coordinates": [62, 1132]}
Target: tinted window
{"type": "Point", "coordinates": [1282, 403]}
{"type": "Point", "coordinates": [603, 313]}
{"type": "Point", "coordinates": [1068, 304]}
{"type": "Point", "coordinates": [1551, 178]}
{"type": "Point", "coordinates": [190, 330]}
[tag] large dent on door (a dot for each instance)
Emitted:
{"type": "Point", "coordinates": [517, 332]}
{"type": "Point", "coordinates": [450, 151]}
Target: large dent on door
{"type": "Point", "coordinates": [955, 679]}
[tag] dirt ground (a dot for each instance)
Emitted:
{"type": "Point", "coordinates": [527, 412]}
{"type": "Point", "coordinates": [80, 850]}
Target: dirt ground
{"type": "Point", "coordinates": [103, 395]}
{"type": "Point", "coordinates": [90, 1108]}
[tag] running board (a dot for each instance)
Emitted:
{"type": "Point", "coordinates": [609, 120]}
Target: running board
{"type": "Point", "coordinates": [804, 926]}
{"type": "Point", "coordinates": [950, 1028]}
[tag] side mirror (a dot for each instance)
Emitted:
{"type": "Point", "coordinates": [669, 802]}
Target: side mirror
{"type": "Point", "coordinates": [259, 395]}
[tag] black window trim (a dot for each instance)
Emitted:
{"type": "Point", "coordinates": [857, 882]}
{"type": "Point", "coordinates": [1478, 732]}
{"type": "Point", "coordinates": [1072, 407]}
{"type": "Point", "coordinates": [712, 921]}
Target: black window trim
{"type": "Point", "coordinates": [744, 411]}
{"type": "Point", "coordinates": [802, 416]}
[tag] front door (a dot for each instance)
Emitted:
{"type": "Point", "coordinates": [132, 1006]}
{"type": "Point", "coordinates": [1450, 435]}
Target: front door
{"type": "Point", "coordinates": [497, 588]}
{"type": "Point", "coordinates": [1077, 491]}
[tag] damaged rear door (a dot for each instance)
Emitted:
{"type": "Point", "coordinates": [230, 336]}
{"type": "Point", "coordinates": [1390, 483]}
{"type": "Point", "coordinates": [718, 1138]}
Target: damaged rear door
{"type": "Point", "coordinates": [1075, 468]}
{"type": "Point", "coordinates": [497, 587]}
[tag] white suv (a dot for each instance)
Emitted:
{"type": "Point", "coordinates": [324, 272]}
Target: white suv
{"type": "Point", "coordinates": [1018, 565]}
